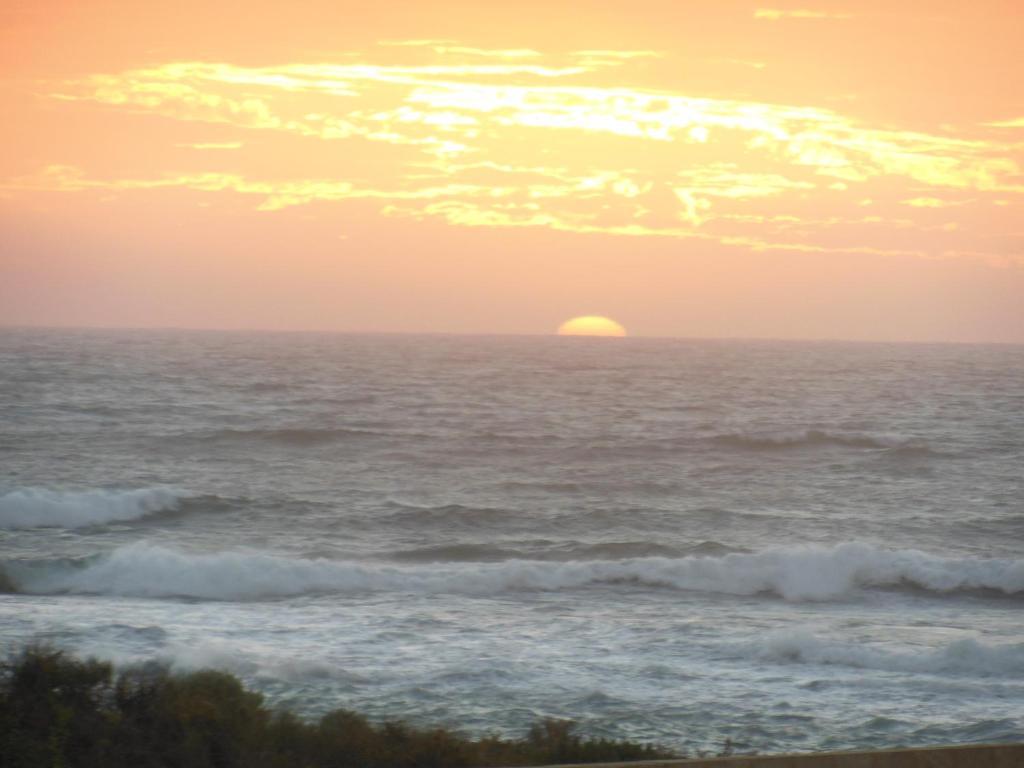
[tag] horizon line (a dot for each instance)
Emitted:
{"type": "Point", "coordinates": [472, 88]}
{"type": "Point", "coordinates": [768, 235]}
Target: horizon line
{"type": "Point", "coordinates": [490, 334]}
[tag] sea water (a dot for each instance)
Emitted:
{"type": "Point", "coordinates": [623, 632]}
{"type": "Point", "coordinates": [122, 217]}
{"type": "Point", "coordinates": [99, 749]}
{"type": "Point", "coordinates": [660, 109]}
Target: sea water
{"type": "Point", "coordinates": [789, 545]}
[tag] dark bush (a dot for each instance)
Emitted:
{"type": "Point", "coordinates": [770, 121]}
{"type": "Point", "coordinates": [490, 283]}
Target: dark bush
{"type": "Point", "coordinates": [53, 706]}
{"type": "Point", "coordinates": [57, 711]}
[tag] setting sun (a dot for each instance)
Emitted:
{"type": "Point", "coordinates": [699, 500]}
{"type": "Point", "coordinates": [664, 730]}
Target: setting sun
{"type": "Point", "coordinates": [457, 167]}
{"type": "Point", "coordinates": [591, 325]}
{"type": "Point", "coordinates": [278, 287]}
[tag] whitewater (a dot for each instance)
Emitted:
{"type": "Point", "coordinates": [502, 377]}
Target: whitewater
{"type": "Point", "coordinates": [789, 545]}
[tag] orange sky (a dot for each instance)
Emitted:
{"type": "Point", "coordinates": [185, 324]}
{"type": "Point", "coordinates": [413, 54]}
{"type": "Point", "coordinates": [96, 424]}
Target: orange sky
{"type": "Point", "coordinates": [688, 167]}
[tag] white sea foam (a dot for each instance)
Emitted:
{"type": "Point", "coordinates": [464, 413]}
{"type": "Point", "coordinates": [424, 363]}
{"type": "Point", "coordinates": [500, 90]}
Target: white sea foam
{"type": "Point", "coordinates": [39, 508]}
{"type": "Point", "coordinates": [967, 656]}
{"type": "Point", "coordinates": [794, 573]}
{"type": "Point", "coordinates": [194, 656]}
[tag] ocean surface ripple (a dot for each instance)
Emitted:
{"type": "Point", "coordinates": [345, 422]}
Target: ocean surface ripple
{"type": "Point", "coordinates": [788, 545]}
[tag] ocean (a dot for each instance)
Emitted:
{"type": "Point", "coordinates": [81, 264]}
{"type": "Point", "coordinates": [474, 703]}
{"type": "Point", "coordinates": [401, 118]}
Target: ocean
{"type": "Point", "coordinates": [787, 545]}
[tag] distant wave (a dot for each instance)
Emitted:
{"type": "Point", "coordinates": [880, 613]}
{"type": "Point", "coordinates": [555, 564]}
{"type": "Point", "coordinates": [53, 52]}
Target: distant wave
{"type": "Point", "coordinates": [804, 573]}
{"type": "Point", "coordinates": [455, 514]}
{"type": "Point", "coordinates": [813, 438]}
{"type": "Point", "coordinates": [517, 486]}
{"type": "Point", "coordinates": [762, 442]}
{"type": "Point", "coordinates": [625, 550]}
{"type": "Point", "coordinates": [611, 550]}
{"type": "Point", "coordinates": [293, 436]}
{"type": "Point", "coordinates": [966, 656]}
{"type": "Point", "coordinates": [617, 550]}
{"type": "Point", "coordinates": [456, 553]}
{"type": "Point", "coordinates": [598, 485]}
{"type": "Point", "coordinates": [39, 508]}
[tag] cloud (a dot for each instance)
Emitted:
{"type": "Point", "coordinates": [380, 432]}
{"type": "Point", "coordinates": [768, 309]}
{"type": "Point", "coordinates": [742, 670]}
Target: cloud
{"type": "Point", "coordinates": [496, 139]}
{"type": "Point", "coordinates": [774, 14]}
{"type": "Point", "coordinates": [741, 63]}
{"type": "Point", "coordinates": [930, 202]}
{"type": "Point", "coordinates": [506, 53]}
{"type": "Point", "coordinates": [429, 42]}
{"type": "Point", "coordinates": [449, 108]}
{"type": "Point", "coordinates": [1017, 122]}
{"type": "Point", "coordinates": [273, 195]}
{"type": "Point", "coordinates": [565, 203]}
{"type": "Point", "coordinates": [212, 145]}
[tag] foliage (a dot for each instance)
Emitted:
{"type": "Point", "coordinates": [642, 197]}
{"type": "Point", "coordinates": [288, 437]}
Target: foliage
{"type": "Point", "coordinates": [57, 711]}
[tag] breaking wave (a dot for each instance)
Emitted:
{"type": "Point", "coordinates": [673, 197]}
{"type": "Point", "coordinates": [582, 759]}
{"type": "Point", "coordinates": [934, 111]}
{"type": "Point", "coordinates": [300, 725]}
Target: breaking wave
{"type": "Point", "coordinates": [960, 657]}
{"type": "Point", "coordinates": [805, 573]}
{"type": "Point", "coordinates": [39, 508]}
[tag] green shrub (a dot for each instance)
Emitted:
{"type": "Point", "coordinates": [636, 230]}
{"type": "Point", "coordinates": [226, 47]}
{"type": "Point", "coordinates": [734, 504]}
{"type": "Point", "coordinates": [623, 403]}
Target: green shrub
{"type": "Point", "coordinates": [57, 711]}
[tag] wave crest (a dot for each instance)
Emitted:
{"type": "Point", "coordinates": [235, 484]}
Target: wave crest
{"type": "Point", "coordinates": [40, 508]}
{"type": "Point", "coordinates": [966, 656]}
{"type": "Point", "coordinates": [804, 573]}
